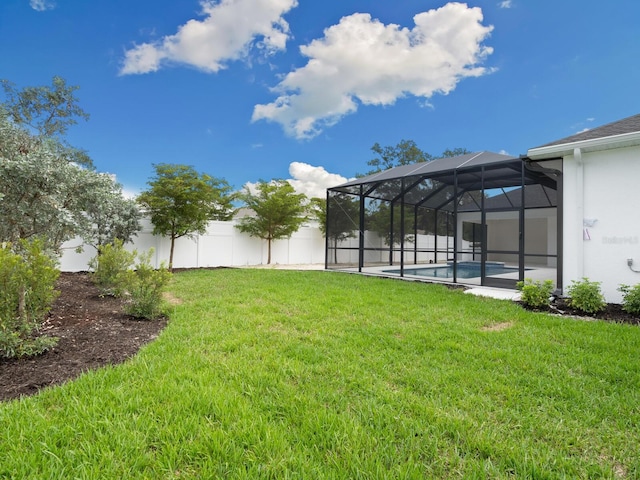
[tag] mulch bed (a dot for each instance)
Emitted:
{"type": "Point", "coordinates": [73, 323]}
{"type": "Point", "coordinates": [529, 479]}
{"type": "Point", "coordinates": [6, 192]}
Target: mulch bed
{"type": "Point", "coordinates": [93, 332]}
{"type": "Point", "coordinates": [612, 312]}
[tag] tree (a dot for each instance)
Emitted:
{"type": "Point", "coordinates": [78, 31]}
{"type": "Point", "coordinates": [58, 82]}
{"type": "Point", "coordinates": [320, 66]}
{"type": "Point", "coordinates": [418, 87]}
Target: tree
{"type": "Point", "coordinates": [43, 194]}
{"type": "Point", "coordinates": [406, 152]}
{"type": "Point", "coordinates": [111, 216]}
{"type": "Point", "coordinates": [48, 110]}
{"type": "Point", "coordinates": [279, 211]}
{"type": "Point", "coordinates": [181, 202]}
{"type": "Point", "coordinates": [46, 113]}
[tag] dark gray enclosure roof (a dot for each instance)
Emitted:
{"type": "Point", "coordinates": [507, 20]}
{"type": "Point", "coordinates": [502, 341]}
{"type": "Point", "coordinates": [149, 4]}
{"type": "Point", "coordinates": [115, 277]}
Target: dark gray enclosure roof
{"type": "Point", "coordinates": [436, 183]}
{"type": "Point", "coordinates": [441, 169]}
{"type": "Point", "coordinates": [626, 125]}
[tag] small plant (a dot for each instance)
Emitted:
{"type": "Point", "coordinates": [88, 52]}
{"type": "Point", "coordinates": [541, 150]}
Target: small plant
{"type": "Point", "coordinates": [27, 281]}
{"type": "Point", "coordinates": [535, 294]}
{"type": "Point", "coordinates": [586, 296]}
{"type": "Point", "coordinates": [630, 298]}
{"type": "Point", "coordinates": [109, 265]}
{"type": "Point", "coordinates": [145, 286]}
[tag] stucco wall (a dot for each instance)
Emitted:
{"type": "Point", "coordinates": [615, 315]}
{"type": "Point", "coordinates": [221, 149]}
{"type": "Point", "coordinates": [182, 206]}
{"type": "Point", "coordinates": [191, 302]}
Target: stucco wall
{"type": "Point", "coordinates": [610, 198]}
{"type": "Point", "coordinates": [221, 245]}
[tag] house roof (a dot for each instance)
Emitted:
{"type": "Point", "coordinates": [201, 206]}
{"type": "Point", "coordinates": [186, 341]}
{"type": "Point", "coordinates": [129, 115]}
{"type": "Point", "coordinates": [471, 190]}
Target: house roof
{"type": "Point", "coordinates": [626, 125]}
{"type": "Point", "coordinates": [622, 133]}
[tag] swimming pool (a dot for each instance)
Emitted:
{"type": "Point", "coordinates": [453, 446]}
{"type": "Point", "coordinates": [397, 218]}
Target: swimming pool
{"type": "Point", "coordinates": [465, 270]}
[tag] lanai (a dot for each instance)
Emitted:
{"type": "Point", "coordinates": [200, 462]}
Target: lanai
{"type": "Point", "coordinates": [480, 218]}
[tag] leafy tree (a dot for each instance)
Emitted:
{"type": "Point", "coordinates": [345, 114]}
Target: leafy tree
{"type": "Point", "coordinates": [406, 152]}
{"type": "Point", "coordinates": [454, 153]}
{"type": "Point", "coordinates": [44, 195]}
{"type": "Point", "coordinates": [48, 110]}
{"type": "Point", "coordinates": [111, 216]}
{"type": "Point", "coordinates": [181, 202]}
{"type": "Point", "coordinates": [279, 211]}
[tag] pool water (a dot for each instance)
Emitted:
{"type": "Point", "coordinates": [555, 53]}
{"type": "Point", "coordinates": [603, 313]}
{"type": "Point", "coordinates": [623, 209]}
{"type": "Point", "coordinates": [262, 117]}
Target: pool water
{"type": "Point", "coordinates": [465, 270]}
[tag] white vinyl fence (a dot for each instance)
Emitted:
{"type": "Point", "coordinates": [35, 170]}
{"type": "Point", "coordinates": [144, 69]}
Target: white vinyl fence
{"type": "Point", "coordinates": [221, 245]}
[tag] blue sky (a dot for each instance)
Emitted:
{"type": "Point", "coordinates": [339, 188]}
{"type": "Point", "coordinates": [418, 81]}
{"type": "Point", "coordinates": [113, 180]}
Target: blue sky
{"type": "Point", "coordinates": [301, 89]}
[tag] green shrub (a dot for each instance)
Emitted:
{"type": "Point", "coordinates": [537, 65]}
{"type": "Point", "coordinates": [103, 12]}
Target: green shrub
{"type": "Point", "coordinates": [144, 287]}
{"type": "Point", "coordinates": [27, 281]}
{"type": "Point", "coordinates": [535, 294]}
{"type": "Point", "coordinates": [586, 296]}
{"type": "Point", "coordinates": [630, 298]}
{"type": "Point", "coordinates": [109, 265]}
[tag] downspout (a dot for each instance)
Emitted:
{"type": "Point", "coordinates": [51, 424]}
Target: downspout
{"type": "Point", "coordinates": [577, 155]}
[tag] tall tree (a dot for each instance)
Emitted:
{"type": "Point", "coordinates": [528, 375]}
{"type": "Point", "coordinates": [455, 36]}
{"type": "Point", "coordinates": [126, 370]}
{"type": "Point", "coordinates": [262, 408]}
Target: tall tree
{"type": "Point", "coordinates": [406, 152]}
{"type": "Point", "coordinates": [278, 211]}
{"type": "Point", "coordinates": [43, 194]}
{"type": "Point", "coordinates": [181, 202]}
{"type": "Point", "coordinates": [45, 113]}
{"type": "Point", "coordinates": [48, 110]}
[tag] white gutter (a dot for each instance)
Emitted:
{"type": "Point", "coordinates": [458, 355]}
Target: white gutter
{"type": "Point", "coordinates": [590, 145]}
{"type": "Point", "coordinates": [577, 156]}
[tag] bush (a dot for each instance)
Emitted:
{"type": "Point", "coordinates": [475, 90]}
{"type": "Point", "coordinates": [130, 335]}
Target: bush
{"type": "Point", "coordinates": [586, 296]}
{"type": "Point", "coordinates": [630, 298]}
{"type": "Point", "coordinates": [27, 281]}
{"type": "Point", "coordinates": [109, 265]}
{"type": "Point", "coordinates": [145, 286]}
{"type": "Point", "coordinates": [535, 294]}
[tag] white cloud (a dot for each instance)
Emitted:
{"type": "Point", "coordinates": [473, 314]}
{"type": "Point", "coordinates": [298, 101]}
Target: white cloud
{"type": "Point", "coordinates": [313, 181]}
{"type": "Point", "coordinates": [505, 4]}
{"type": "Point", "coordinates": [307, 179]}
{"type": "Point", "coordinates": [361, 60]}
{"type": "Point", "coordinates": [228, 31]}
{"type": "Point", "coordinates": [42, 5]}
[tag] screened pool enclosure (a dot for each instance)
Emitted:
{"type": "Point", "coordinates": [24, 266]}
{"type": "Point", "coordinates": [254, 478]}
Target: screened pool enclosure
{"type": "Point", "coordinates": [480, 219]}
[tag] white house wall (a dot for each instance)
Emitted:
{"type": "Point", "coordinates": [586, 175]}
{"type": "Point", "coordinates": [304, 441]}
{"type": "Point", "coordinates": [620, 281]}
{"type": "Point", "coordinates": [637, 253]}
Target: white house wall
{"type": "Point", "coordinates": [221, 245]}
{"type": "Point", "coordinates": [602, 220]}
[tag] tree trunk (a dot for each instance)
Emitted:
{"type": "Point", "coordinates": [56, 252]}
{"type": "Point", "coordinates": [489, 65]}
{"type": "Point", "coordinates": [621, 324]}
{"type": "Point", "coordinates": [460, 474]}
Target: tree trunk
{"type": "Point", "coordinates": [269, 251]}
{"type": "Point", "coordinates": [173, 241]}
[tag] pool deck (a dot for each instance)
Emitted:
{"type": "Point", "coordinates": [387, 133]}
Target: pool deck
{"type": "Point", "coordinates": [472, 284]}
{"type": "Point", "coordinates": [498, 293]}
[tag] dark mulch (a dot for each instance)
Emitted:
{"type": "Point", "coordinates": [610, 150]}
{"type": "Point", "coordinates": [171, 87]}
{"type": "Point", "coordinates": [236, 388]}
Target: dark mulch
{"type": "Point", "coordinates": [612, 312]}
{"type": "Point", "coordinates": [93, 332]}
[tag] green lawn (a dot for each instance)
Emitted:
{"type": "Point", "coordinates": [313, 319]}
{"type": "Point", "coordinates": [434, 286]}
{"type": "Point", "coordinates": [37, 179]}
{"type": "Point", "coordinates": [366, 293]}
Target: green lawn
{"type": "Point", "coordinates": [280, 374]}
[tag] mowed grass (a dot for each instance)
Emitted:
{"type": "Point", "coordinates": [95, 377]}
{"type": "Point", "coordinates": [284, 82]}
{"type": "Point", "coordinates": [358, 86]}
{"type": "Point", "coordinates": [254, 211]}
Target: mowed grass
{"type": "Point", "coordinates": [313, 375]}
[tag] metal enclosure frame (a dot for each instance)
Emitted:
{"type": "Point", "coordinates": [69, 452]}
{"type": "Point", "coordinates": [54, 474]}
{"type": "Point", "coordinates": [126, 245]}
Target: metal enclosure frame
{"type": "Point", "coordinates": [404, 204]}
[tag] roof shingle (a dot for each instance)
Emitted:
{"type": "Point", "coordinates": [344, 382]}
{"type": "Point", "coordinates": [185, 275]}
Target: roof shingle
{"type": "Point", "coordinates": [626, 125]}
